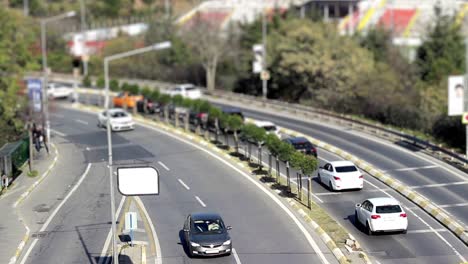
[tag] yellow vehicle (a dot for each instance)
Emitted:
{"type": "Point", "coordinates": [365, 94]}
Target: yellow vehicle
{"type": "Point", "coordinates": [125, 99]}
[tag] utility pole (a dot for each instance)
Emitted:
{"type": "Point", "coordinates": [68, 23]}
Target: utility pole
{"type": "Point", "coordinates": [264, 66]}
{"type": "Point", "coordinates": [26, 7]}
{"type": "Point", "coordinates": [83, 33]}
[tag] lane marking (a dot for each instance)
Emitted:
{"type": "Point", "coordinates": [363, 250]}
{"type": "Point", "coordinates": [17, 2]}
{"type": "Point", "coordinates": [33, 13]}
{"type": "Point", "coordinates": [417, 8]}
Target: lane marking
{"type": "Point", "coordinates": [200, 201]}
{"type": "Point", "coordinates": [301, 227]}
{"type": "Point", "coordinates": [426, 231]}
{"type": "Point", "coordinates": [445, 205]}
{"type": "Point", "coordinates": [163, 165]}
{"type": "Point", "coordinates": [236, 257]}
{"type": "Point", "coordinates": [413, 168]}
{"type": "Point", "coordinates": [46, 224]}
{"type": "Point", "coordinates": [183, 184]}
{"type": "Point", "coordinates": [158, 259]}
{"type": "Point", "coordinates": [438, 185]}
{"type": "Point", "coordinates": [12, 191]}
{"type": "Point", "coordinates": [58, 133]}
{"type": "Point", "coordinates": [103, 255]}
{"type": "Point", "coordinates": [81, 121]}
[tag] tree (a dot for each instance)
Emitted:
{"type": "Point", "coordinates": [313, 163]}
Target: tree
{"type": "Point", "coordinates": [207, 40]}
{"type": "Point", "coordinates": [213, 115]}
{"type": "Point", "coordinates": [273, 144]}
{"type": "Point", "coordinates": [16, 39]}
{"type": "Point", "coordinates": [235, 123]}
{"type": "Point", "coordinates": [443, 53]}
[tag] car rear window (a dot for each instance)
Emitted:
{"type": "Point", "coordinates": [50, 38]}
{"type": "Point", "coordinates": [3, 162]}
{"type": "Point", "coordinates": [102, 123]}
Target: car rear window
{"type": "Point", "coordinates": [270, 128]}
{"type": "Point", "coordinates": [118, 114]}
{"type": "Point", "coordinates": [388, 209]}
{"type": "Point", "coordinates": [346, 169]}
{"type": "Point", "coordinates": [190, 88]}
{"type": "Point", "coordinates": [302, 145]}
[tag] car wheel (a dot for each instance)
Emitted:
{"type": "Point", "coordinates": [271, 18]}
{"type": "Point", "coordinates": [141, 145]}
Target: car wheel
{"type": "Point", "coordinates": [189, 249]}
{"type": "Point", "coordinates": [368, 229]}
{"type": "Point", "coordinates": [330, 186]}
{"type": "Point", "coordinates": [404, 231]}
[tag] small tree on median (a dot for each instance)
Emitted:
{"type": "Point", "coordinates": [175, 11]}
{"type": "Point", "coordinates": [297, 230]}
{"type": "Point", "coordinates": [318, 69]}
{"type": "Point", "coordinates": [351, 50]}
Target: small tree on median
{"type": "Point", "coordinates": [285, 151]}
{"type": "Point", "coordinates": [273, 144]}
{"type": "Point", "coordinates": [235, 123]}
{"type": "Point", "coordinates": [214, 114]}
{"type": "Point", "coordinates": [164, 100]}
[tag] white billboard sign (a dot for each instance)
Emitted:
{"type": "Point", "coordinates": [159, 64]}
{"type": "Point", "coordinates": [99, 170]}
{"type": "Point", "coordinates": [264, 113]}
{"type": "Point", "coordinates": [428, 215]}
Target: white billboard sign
{"type": "Point", "coordinates": [456, 90]}
{"type": "Point", "coordinates": [133, 181]}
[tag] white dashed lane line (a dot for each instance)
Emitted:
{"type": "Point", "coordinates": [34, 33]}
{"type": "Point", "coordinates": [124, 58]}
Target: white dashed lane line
{"type": "Point", "coordinates": [58, 133]}
{"type": "Point", "coordinates": [236, 257]}
{"type": "Point", "coordinates": [200, 201]}
{"type": "Point", "coordinates": [183, 184]}
{"type": "Point", "coordinates": [439, 185]}
{"type": "Point", "coordinates": [163, 165]}
{"type": "Point", "coordinates": [81, 122]}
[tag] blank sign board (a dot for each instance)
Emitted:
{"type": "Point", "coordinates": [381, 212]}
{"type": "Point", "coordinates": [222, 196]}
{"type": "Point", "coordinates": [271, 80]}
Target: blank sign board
{"type": "Point", "coordinates": [133, 181]}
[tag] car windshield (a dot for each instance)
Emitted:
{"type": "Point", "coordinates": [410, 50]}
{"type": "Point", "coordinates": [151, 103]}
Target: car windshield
{"type": "Point", "coordinates": [346, 169]}
{"type": "Point", "coordinates": [270, 128]}
{"type": "Point", "coordinates": [388, 209]}
{"type": "Point", "coordinates": [208, 226]}
{"type": "Point", "coordinates": [119, 114]}
{"type": "Point", "coordinates": [302, 145]}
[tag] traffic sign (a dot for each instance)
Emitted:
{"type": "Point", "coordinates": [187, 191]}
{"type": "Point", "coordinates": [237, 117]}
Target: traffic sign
{"type": "Point", "coordinates": [265, 75]}
{"type": "Point", "coordinates": [465, 118]}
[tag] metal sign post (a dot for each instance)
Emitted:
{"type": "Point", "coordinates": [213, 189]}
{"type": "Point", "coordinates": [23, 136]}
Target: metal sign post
{"type": "Point", "coordinates": [131, 223]}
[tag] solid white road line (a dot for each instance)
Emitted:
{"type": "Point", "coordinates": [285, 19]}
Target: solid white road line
{"type": "Point", "coordinates": [58, 133]}
{"type": "Point", "coordinates": [200, 201]}
{"type": "Point", "coordinates": [163, 165]}
{"type": "Point", "coordinates": [183, 184]}
{"type": "Point", "coordinates": [158, 260]}
{"type": "Point", "coordinates": [301, 227]}
{"type": "Point", "coordinates": [439, 185]}
{"type": "Point", "coordinates": [236, 257]}
{"type": "Point", "coordinates": [426, 231]}
{"type": "Point", "coordinates": [46, 224]}
{"type": "Point", "coordinates": [414, 168]}
{"type": "Point", "coordinates": [104, 255]}
{"type": "Point", "coordinates": [81, 121]}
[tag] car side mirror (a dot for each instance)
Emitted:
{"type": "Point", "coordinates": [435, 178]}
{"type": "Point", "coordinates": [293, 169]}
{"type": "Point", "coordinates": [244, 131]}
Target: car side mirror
{"type": "Point", "coordinates": [321, 167]}
{"type": "Point", "coordinates": [228, 227]}
{"type": "Point", "coordinates": [358, 205]}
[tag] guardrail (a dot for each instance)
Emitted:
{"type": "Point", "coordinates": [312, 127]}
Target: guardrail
{"type": "Point", "coordinates": [448, 155]}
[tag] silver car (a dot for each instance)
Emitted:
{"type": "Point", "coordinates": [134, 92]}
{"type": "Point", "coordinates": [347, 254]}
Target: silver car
{"type": "Point", "coordinates": [206, 235]}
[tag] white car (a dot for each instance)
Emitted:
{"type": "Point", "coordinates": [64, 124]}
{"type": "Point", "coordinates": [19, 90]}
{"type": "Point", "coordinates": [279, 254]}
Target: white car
{"type": "Point", "coordinates": [269, 127]}
{"type": "Point", "coordinates": [381, 215]}
{"type": "Point", "coordinates": [186, 90]}
{"type": "Point", "coordinates": [56, 91]}
{"type": "Point", "coordinates": [119, 120]}
{"type": "Point", "coordinates": [341, 175]}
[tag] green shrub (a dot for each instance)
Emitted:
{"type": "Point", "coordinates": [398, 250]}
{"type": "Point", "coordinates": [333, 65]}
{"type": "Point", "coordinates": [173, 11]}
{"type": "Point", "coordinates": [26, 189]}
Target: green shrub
{"type": "Point", "coordinates": [86, 81]}
{"type": "Point", "coordinates": [114, 85]}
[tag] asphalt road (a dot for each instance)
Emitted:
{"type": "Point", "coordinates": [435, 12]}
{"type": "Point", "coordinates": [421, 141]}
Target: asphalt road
{"type": "Point", "coordinates": [190, 181]}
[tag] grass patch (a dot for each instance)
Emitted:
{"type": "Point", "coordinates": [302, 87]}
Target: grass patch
{"type": "Point", "coordinates": [32, 173]}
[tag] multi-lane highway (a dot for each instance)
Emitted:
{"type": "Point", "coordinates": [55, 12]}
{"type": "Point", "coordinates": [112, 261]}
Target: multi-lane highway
{"type": "Point", "coordinates": [191, 180]}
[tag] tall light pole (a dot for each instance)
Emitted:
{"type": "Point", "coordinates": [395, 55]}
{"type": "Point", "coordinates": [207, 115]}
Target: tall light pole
{"type": "Point", "coordinates": [158, 46]}
{"type": "Point", "coordinates": [45, 107]}
{"type": "Point", "coordinates": [264, 66]}
{"type": "Point", "coordinates": [83, 34]}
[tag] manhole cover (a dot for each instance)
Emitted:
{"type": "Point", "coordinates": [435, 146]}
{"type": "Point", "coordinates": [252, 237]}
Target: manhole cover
{"type": "Point", "coordinates": [39, 234]}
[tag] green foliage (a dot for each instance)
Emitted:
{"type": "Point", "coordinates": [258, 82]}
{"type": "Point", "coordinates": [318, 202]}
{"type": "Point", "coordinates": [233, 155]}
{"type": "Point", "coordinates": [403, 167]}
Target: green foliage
{"type": "Point", "coordinates": [309, 164]}
{"type": "Point", "coordinates": [273, 144]}
{"type": "Point", "coordinates": [296, 160]}
{"type": "Point", "coordinates": [100, 83]}
{"type": "Point", "coordinates": [378, 41]}
{"type": "Point", "coordinates": [125, 87]}
{"type": "Point", "coordinates": [223, 121]}
{"type": "Point", "coordinates": [187, 103]}
{"type": "Point", "coordinates": [134, 89]}
{"type": "Point", "coordinates": [164, 99]}
{"type": "Point", "coordinates": [214, 113]}
{"type": "Point", "coordinates": [254, 133]}
{"type": "Point", "coordinates": [234, 122]}
{"type": "Point", "coordinates": [155, 95]}
{"type": "Point", "coordinates": [114, 85]}
{"type": "Point", "coordinates": [285, 151]}
{"type": "Point", "coordinates": [32, 173]}
{"type": "Point", "coordinates": [177, 100]}
{"type": "Point", "coordinates": [146, 92]}
{"type": "Point", "coordinates": [205, 107]}
{"type": "Point", "coordinates": [443, 53]}
{"type": "Point", "coordinates": [86, 81]}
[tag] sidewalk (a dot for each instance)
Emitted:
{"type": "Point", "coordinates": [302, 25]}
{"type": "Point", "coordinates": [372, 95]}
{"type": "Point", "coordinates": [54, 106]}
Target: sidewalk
{"type": "Point", "coordinates": [12, 230]}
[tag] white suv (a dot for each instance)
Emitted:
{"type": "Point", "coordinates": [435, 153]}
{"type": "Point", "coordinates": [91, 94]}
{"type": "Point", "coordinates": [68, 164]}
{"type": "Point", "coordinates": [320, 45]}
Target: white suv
{"type": "Point", "coordinates": [383, 214]}
{"type": "Point", "coordinates": [55, 91]}
{"type": "Point", "coordinates": [186, 90]}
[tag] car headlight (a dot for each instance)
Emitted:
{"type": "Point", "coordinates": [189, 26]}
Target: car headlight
{"type": "Point", "coordinates": [194, 244]}
{"type": "Point", "coordinates": [227, 243]}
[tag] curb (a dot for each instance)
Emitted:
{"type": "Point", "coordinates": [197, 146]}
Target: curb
{"type": "Point", "coordinates": [36, 183]}
{"type": "Point", "coordinates": [20, 247]}
{"type": "Point", "coordinates": [199, 139]}
{"type": "Point", "coordinates": [411, 195]}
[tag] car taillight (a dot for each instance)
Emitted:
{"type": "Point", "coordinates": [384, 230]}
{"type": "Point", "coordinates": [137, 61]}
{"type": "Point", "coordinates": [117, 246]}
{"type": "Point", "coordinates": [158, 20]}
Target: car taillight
{"type": "Point", "coordinates": [375, 216]}
{"type": "Point", "coordinates": [361, 177]}
{"type": "Point", "coordinates": [403, 215]}
{"type": "Point", "coordinates": [336, 178]}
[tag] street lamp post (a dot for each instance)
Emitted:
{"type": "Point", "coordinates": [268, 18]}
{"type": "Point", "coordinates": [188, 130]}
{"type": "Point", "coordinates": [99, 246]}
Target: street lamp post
{"type": "Point", "coordinates": [158, 46]}
{"type": "Point", "coordinates": [45, 107]}
{"type": "Point", "coordinates": [264, 66]}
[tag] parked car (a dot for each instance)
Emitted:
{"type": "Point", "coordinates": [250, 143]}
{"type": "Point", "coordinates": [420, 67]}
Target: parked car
{"type": "Point", "coordinates": [302, 144]}
{"type": "Point", "coordinates": [186, 90]}
{"type": "Point", "coordinates": [59, 91]}
{"type": "Point", "coordinates": [228, 111]}
{"type": "Point", "coordinates": [151, 107]}
{"type": "Point", "coordinates": [384, 214]}
{"type": "Point", "coordinates": [269, 127]}
{"type": "Point", "coordinates": [126, 99]}
{"type": "Point", "coordinates": [119, 119]}
{"type": "Point", "coordinates": [341, 175]}
{"type": "Point", "coordinates": [206, 235]}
